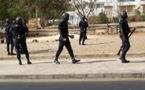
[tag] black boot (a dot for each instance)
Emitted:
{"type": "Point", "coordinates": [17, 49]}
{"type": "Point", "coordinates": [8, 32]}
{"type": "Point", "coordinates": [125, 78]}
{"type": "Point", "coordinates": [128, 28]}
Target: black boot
{"type": "Point", "coordinates": [74, 61]}
{"type": "Point", "coordinates": [9, 53]}
{"type": "Point", "coordinates": [83, 44]}
{"type": "Point", "coordinates": [13, 53]}
{"type": "Point", "coordinates": [20, 62]}
{"type": "Point", "coordinates": [56, 62]}
{"type": "Point", "coordinates": [29, 62]}
{"type": "Point", "coordinates": [123, 60]}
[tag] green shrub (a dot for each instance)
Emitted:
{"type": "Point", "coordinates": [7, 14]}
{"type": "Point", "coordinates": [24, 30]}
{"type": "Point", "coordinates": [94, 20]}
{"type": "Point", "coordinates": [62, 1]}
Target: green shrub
{"type": "Point", "coordinates": [136, 18]}
{"type": "Point", "coordinates": [131, 18]}
{"type": "Point", "coordinates": [93, 19]}
{"type": "Point", "coordinates": [115, 20]}
{"type": "Point", "coordinates": [103, 18]}
{"type": "Point", "coordinates": [143, 17]}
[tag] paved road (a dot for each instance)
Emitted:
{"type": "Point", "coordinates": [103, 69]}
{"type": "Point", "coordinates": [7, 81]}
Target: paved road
{"type": "Point", "coordinates": [103, 85]}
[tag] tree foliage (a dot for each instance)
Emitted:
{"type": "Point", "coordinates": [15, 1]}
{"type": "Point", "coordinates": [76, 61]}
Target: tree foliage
{"type": "Point", "coordinates": [45, 9]}
{"type": "Point", "coordinates": [84, 7]}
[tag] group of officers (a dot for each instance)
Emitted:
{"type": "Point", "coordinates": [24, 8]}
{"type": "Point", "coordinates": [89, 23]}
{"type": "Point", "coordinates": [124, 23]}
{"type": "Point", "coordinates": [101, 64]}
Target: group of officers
{"type": "Point", "coordinates": [16, 37]}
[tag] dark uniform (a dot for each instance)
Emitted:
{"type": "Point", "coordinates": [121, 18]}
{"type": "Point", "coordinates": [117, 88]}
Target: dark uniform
{"type": "Point", "coordinates": [124, 31]}
{"type": "Point", "coordinates": [64, 39]}
{"type": "Point", "coordinates": [19, 33]}
{"type": "Point", "coordinates": [9, 39]}
{"type": "Point", "coordinates": [83, 30]}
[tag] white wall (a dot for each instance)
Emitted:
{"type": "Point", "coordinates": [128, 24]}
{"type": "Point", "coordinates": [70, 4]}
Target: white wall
{"type": "Point", "coordinates": [74, 18]}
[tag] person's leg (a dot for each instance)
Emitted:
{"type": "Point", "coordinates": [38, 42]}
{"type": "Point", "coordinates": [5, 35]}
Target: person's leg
{"type": "Point", "coordinates": [8, 45]}
{"type": "Point", "coordinates": [69, 48]}
{"type": "Point", "coordinates": [60, 48]}
{"type": "Point", "coordinates": [80, 39]}
{"type": "Point", "coordinates": [84, 38]}
{"type": "Point", "coordinates": [126, 46]}
{"type": "Point", "coordinates": [12, 47]}
{"type": "Point", "coordinates": [18, 52]}
{"type": "Point", "coordinates": [25, 50]}
{"type": "Point", "coordinates": [70, 51]}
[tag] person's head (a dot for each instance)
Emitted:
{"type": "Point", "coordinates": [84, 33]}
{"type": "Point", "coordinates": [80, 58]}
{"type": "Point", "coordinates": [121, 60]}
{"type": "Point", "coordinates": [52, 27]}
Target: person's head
{"type": "Point", "coordinates": [19, 20]}
{"type": "Point", "coordinates": [8, 21]}
{"type": "Point", "coordinates": [83, 17]}
{"type": "Point", "coordinates": [124, 15]}
{"type": "Point", "coordinates": [65, 16]}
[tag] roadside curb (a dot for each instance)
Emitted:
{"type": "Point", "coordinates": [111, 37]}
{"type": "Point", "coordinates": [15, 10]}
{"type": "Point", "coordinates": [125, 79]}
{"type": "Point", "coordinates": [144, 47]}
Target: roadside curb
{"type": "Point", "coordinates": [75, 76]}
{"type": "Point", "coordinates": [79, 56]}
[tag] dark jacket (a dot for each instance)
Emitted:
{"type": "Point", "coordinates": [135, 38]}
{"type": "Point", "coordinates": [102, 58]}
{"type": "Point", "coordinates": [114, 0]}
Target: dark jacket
{"type": "Point", "coordinates": [8, 31]}
{"type": "Point", "coordinates": [83, 25]}
{"type": "Point", "coordinates": [63, 29]}
{"type": "Point", "coordinates": [19, 31]}
{"type": "Point", "coordinates": [124, 28]}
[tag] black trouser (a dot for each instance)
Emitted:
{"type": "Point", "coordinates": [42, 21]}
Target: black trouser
{"type": "Point", "coordinates": [125, 47]}
{"type": "Point", "coordinates": [9, 42]}
{"type": "Point", "coordinates": [82, 37]}
{"type": "Point", "coordinates": [68, 47]}
{"type": "Point", "coordinates": [20, 46]}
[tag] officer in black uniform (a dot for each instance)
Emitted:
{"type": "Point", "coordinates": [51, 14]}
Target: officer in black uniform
{"type": "Point", "coordinates": [124, 31]}
{"type": "Point", "coordinates": [83, 30]}
{"type": "Point", "coordinates": [19, 32]}
{"type": "Point", "coordinates": [64, 39]}
{"type": "Point", "coordinates": [9, 39]}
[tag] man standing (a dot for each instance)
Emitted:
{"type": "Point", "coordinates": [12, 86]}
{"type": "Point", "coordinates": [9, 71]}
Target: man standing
{"type": "Point", "coordinates": [9, 39]}
{"type": "Point", "coordinates": [83, 30]}
{"type": "Point", "coordinates": [19, 33]}
{"type": "Point", "coordinates": [124, 31]}
{"type": "Point", "coordinates": [64, 39]}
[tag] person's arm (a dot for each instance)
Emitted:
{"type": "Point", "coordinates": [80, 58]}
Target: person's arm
{"type": "Point", "coordinates": [87, 25]}
{"type": "Point", "coordinates": [121, 24]}
{"type": "Point", "coordinates": [128, 28]}
{"type": "Point", "coordinates": [60, 27]}
{"type": "Point", "coordinates": [26, 28]}
{"type": "Point", "coordinates": [80, 24]}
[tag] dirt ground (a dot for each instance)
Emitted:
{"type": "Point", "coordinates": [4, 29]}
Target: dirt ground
{"type": "Point", "coordinates": [96, 46]}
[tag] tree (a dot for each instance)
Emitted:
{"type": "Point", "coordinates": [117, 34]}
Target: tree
{"type": "Point", "coordinates": [12, 9]}
{"type": "Point", "coordinates": [3, 8]}
{"type": "Point", "coordinates": [44, 9]}
{"type": "Point", "coordinates": [84, 7]}
{"type": "Point", "coordinates": [47, 9]}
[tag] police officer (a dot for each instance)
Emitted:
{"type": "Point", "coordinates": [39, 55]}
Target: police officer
{"type": "Point", "coordinates": [83, 30]}
{"type": "Point", "coordinates": [64, 39]}
{"type": "Point", "coordinates": [9, 39]}
{"type": "Point", "coordinates": [19, 33]}
{"type": "Point", "coordinates": [124, 31]}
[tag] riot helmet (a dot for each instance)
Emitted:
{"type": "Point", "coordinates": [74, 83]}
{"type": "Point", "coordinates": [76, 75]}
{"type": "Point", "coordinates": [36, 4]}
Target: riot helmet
{"type": "Point", "coordinates": [8, 21]}
{"type": "Point", "coordinates": [65, 16]}
{"type": "Point", "coordinates": [19, 20]}
{"type": "Point", "coordinates": [83, 17]}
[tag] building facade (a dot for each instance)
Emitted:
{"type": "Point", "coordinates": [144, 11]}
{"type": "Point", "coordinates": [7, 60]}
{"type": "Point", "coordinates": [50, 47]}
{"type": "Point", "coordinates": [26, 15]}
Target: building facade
{"type": "Point", "coordinates": [113, 7]}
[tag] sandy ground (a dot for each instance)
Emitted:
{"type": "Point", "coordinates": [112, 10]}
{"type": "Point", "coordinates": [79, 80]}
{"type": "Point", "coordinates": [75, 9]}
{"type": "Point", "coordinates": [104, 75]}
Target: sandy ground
{"type": "Point", "coordinates": [96, 46]}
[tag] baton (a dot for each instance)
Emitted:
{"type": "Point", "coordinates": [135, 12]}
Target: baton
{"type": "Point", "coordinates": [128, 37]}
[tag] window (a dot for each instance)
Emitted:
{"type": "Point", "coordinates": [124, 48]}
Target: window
{"type": "Point", "coordinates": [99, 5]}
{"type": "Point", "coordinates": [125, 0]}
